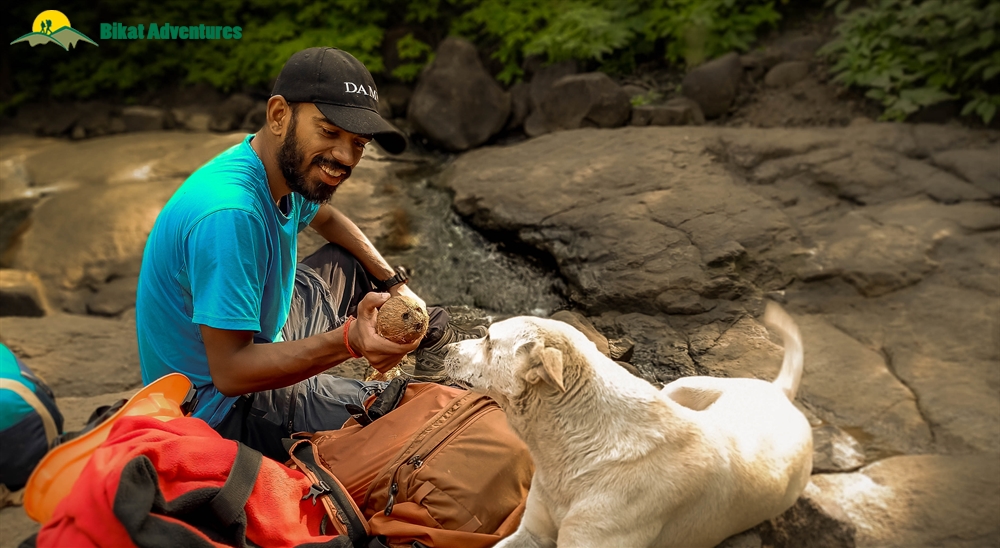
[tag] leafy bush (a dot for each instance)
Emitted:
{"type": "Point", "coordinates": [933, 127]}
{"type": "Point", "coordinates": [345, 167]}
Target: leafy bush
{"type": "Point", "coordinates": [911, 54]}
{"type": "Point", "coordinates": [688, 31]}
{"type": "Point", "coordinates": [611, 32]}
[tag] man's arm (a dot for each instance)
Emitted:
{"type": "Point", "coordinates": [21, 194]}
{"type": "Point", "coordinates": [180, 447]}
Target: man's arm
{"type": "Point", "coordinates": [238, 366]}
{"type": "Point", "coordinates": [337, 228]}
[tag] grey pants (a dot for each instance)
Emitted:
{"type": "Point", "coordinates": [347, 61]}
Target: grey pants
{"type": "Point", "coordinates": [329, 284]}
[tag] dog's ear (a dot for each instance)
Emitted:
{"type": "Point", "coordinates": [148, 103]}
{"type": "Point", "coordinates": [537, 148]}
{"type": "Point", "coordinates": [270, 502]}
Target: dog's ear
{"type": "Point", "coordinates": [544, 364]}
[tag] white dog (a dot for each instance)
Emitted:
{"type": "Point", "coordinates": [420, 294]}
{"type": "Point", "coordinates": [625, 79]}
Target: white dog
{"type": "Point", "coordinates": [621, 464]}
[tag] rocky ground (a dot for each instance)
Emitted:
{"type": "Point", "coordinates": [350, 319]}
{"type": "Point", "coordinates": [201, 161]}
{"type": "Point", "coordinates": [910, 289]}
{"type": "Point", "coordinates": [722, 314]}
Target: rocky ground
{"type": "Point", "coordinates": [882, 240]}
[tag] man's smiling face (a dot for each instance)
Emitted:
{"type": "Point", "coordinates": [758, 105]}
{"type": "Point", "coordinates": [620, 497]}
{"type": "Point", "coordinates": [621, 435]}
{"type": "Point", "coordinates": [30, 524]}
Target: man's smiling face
{"type": "Point", "coordinates": [316, 156]}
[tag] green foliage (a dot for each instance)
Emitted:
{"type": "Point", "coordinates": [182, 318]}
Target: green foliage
{"type": "Point", "coordinates": [690, 31]}
{"type": "Point", "coordinates": [703, 29]}
{"type": "Point", "coordinates": [609, 33]}
{"type": "Point", "coordinates": [416, 52]}
{"type": "Point", "coordinates": [910, 54]}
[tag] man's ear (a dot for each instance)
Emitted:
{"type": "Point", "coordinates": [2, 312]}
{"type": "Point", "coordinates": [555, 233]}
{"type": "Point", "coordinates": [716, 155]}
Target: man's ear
{"type": "Point", "coordinates": [544, 364]}
{"type": "Point", "coordinates": [279, 114]}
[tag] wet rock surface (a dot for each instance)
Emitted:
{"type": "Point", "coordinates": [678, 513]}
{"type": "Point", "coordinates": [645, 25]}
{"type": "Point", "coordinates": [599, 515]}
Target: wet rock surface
{"type": "Point", "coordinates": [882, 240]}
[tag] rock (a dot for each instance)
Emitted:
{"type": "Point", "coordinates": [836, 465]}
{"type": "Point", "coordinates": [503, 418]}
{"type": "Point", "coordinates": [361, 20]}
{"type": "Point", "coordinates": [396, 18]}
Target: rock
{"type": "Point", "coordinates": [21, 294]}
{"type": "Point", "coordinates": [919, 500]}
{"type": "Point", "coordinates": [77, 355]}
{"type": "Point", "coordinates": [644, 185]}
{"type": "Point", "coordinates": [785, 74]}
{"type": "Point", "coordinates": [633, 91]}
{"type": "Point", "coordinates": [621, 349]}
{"type": "Point", "coordinates": [76, 240]}
{"type": "Point", "coordinates": [660, 352]}
{"type": "Point", "coordinates": [50, 119]}
{"type": "Point", "coordinates": [582, 324]}
{"type": "Point", "coordinates": [542, 80]}
{"type": "Point", "coordinates": [78, 133]}
{"type": "Point", "coordinates": [746, 539]}
{"type": "Point", "coordinates": [230, 114]}
{"type": "Point", "coordinates": [834, 450]}
{"type": "Point", "coordinates": [680, 111]}
{"type": "Point", "coordinates": [16, 526]}
{"type": "Point", "coordinates": [520, 105]}
{"type": "Point", "coordinates": [76, 410]}
{"type": "Point", "coordinates": [139, 118]}
{"type": "Point", "coordinates": [802, 48]}
{"type": "Point", "coordinates": [585, 100]}
{"type": "Point", "coordinates": [457, 104]}
{"type": "Point", "coordinates": [95, 120]}
{"type": "Point", "coordinates": [114, 297]}
{"type": "Point", "coordinates": [980, 167]}
{"type": "Point", "coordinates": [815, 521]}
{"type": "Point", "coordinates": [940, 339]}
{"type": "Point", "coordinates": [535, 124]}
{"type": "Point", "coordinates": [397, 96]}
{"type": "Point", "coordinates": [385, 110]}
{"type": "Point", "coordinates": [195, 118]}
{"type": "Point", "coordinates": [255, 119]}
{"type": "Point", "coordinates": [713, 85]}
{"type": "Point", "coordinates": [851, 386]}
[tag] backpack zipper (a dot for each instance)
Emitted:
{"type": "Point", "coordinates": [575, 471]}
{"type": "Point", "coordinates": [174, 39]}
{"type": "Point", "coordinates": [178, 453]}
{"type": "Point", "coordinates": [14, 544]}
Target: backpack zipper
{"type": "Point", "coordinates": [416, 461]}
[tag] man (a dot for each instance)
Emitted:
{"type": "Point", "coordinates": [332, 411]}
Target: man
{"type": "Point", "coordinates": [221, 298]}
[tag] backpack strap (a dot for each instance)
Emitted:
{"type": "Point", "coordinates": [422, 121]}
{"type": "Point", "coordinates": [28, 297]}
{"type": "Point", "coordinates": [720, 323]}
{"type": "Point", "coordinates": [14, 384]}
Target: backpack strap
{"type": "Point", "coordinates": [228, 504]}
{"type": "Point", "coordinates": [345, 515]}
{"type": "Point", "coordinates": [31, 399]}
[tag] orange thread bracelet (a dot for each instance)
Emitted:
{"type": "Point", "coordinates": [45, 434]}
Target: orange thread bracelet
{"type": "Point", "coordinates": [347, 344]}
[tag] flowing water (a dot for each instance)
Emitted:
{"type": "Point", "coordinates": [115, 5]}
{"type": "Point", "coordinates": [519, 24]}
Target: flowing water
{"type": "Point", "coordinates": [455, 266]}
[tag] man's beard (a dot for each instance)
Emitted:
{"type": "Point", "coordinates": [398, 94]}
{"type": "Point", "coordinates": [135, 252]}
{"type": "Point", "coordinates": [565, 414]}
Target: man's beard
{"type": "Point", "coordinates": [290, 157]}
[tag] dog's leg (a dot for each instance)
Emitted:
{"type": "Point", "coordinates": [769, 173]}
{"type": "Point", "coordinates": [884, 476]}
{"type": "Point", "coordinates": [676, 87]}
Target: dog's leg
{"type": "Point", "coordinates": [582, 531]}
{"type": "Point", "coordinates": [536, 529]}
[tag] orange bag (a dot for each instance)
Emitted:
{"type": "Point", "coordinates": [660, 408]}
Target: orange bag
{"type": "Point", "coordinates": [443, 469]}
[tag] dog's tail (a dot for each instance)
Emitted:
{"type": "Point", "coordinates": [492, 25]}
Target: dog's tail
{"type": "Point", "coordinates": [777, 319]}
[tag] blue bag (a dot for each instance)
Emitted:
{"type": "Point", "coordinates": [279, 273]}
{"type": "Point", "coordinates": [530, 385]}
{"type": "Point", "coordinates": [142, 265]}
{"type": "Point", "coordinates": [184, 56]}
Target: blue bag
{"type": "Point", "coordinates": [29, 420]}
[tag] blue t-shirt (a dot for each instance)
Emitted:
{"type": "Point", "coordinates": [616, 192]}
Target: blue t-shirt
{"type": "Point", "coordinates": [220, 254]}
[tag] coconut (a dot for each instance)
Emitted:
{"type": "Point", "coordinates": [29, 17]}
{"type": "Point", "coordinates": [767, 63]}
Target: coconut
{"type": "Point", "coordinates": [401, 320]}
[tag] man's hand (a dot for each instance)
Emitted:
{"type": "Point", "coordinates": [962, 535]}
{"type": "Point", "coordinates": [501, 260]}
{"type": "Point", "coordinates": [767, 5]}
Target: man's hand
{"type": "Point", "coordinates": [381, 353]}
{"type": "Point", "coordinates": [404, 290]}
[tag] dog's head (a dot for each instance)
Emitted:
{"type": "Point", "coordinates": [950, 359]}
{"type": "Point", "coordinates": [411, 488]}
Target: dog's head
{"type": "Point", "coordinates": [520, 356]}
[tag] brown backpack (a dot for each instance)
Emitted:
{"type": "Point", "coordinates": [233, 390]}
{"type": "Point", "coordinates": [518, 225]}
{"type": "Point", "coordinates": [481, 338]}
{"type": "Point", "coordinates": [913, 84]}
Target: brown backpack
{"type": "Point", "coordinates": [443, 469]}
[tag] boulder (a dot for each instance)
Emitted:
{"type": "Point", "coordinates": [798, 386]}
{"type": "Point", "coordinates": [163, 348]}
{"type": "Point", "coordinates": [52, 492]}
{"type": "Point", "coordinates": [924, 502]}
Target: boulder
{"type": "Point", "coordinates": [21, 294]}
{"type": "Point", "coordinates": [230, 114]}
{"type": "Point", "coordinates": [801, 48]}
{"type": "Point", "coordinates": [919, 500]}
{"type": "Point", "coordinates": [980, 167]}
{"type": "Point", "coordinates": [541, 82]}
{"type": "Point", "coordinates": [520, 105]}
{"type": "Point", "coordinates": [77, 355]}
{"type": "Point", "coordinates": [141, 118]}
{"type": "Point", "coordinates": [679, 111]}
{"type": "Point", "coordinates": [786, 74]}
{"type": "Point", "coordinates": [714, 85]}
{"type": "Point", "coordinates": [114, 297]}
{"type": "Point", "coordinates": [586, 100]}
{"type": "Point", "coordinates": [814, 521]}
{"type": "Point", "coordinates": [397, 96]}
{"type": "Point", "coordinates": [456, 103]}
{"type": "Point", "coordinates": [834, 450]}
{"type": "Point", "coordinates": [582, 324]}
{"type": "Point", "coordinates": [633, 90]}
{"type": "Point", "coordinates": [195, 118]}
{"type": "Point", "coordinates": [256, 118]}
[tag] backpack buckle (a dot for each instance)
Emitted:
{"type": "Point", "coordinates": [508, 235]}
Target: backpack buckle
{"type": "Point", "coordinates": [317, 490]}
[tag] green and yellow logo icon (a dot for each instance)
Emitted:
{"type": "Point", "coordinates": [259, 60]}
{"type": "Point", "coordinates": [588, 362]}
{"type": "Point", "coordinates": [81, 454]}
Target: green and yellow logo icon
{"type": "Point", "coordinates": [51, 26]}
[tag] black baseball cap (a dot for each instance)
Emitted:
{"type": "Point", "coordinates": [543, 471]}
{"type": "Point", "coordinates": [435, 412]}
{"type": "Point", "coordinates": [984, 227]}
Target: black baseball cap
{"type": "Point", "coordinates": [342, 89]}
